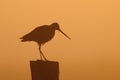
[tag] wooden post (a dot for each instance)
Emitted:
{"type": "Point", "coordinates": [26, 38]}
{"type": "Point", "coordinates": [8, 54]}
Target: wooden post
{"type": "Point", "coordinates": [44, 70]}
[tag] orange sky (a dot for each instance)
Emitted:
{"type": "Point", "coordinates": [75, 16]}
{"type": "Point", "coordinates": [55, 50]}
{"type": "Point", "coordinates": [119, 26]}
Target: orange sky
{"type": "Point", "coordinates": [94, 26]}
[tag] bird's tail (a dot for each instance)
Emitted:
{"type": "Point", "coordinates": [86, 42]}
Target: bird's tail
{"type": "Point", "coordinates": [22, 39]}
{"type": "Point", "coordinates": [25, 38]}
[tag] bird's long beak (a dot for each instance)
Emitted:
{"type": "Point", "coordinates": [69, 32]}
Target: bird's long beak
{"type": "Point", "coordinates": [64, 33]}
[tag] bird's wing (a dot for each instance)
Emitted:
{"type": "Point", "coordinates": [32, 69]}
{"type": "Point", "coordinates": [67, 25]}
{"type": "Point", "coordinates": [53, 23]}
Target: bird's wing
{"type": "Point", "coordinates": [33, 35]}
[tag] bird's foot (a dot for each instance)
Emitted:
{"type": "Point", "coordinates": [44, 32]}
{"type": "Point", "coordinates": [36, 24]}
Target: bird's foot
{"type": "Point", "coordinates": [46, 60]}
{"type": "Point", "coordinates": [40, 60]}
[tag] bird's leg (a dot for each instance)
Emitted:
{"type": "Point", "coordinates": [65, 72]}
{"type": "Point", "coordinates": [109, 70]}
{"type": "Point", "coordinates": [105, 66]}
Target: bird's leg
{"type": "Point", "coordinates": [40, 53]}
{"type": "Point", "coordinates": [43, 56]}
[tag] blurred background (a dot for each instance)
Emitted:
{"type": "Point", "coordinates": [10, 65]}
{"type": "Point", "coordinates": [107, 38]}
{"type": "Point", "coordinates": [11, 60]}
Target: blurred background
{"type": "Point", "coordinates": [94, 26]}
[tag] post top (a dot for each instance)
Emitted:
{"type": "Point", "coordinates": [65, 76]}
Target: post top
{"type": "Point", "coordinates": [42, 61]}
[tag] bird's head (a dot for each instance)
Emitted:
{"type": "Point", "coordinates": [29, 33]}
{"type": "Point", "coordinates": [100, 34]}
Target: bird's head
{"type": "Point", "coordinates": [56, 27]}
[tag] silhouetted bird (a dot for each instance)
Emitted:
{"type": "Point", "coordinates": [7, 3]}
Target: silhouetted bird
{"type": "Point", "coordinates": [41, 35]}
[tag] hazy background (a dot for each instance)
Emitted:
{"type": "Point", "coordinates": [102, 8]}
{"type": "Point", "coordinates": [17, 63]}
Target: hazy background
{"type": "Point", "coordinates": [94, 26]}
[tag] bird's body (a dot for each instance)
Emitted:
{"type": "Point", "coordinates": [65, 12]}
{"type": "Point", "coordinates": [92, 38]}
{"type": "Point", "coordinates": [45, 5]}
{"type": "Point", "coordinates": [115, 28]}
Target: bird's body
{"type": "Point", "coordinates": [41, 35]}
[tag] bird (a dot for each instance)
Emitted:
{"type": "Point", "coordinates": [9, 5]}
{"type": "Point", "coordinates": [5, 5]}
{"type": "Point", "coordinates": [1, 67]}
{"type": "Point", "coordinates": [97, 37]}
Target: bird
{"type": "Point", "coordinates": [41, 35]}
